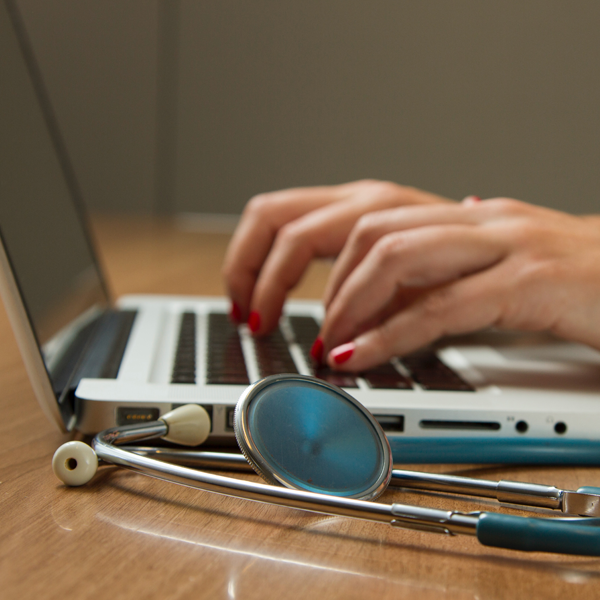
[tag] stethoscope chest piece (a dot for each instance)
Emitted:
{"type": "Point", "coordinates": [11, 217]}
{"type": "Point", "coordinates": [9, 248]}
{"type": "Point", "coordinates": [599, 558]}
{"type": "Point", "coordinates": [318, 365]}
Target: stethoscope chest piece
{"type": "Point", "coordinates": [306, 434]}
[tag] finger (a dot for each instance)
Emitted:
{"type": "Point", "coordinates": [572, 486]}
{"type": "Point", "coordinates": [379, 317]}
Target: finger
{"type": "Point", "coordinates": [253, 238]}
{"type": "Point", "coordinates": [418, 258]}
{"type": "Point", "coordinates": [459, 307]}
{"type": "Point", "coordinates": [471, 200]}
{"type": "Point", "coordinates": [267, 213]}
{"type": "Point", "coordinates": [373, 226]}
{"type": "Point", "coordinates": [321, 233]}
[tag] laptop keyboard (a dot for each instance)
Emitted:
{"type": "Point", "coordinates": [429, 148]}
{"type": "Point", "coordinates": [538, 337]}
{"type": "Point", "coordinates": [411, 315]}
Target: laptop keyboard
{"type": "Point", "coordinates": [225, 362]}
{"type": "Point", "coordinates": [225, 359]}
{"type": "Point", "coordinates": [273, 355]}
{"type": "Point", "coordinates": [184, 367]}
{"type": "Point", "coordinates": [306, 330]}
{"type": "Point", "coordinates": [432, 374]}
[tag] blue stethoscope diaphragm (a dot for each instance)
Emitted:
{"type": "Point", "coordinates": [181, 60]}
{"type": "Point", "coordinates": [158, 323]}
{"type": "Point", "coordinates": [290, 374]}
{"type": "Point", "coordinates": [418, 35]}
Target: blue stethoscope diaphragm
{"type": "Point", "coordinates": [306, 434]}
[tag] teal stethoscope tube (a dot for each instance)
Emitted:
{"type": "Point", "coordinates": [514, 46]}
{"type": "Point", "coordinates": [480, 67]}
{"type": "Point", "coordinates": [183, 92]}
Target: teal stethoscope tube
{"type": "Point", "coordinates": [565, 536]}
{"type": "Point", "coordinates": [494, 450]}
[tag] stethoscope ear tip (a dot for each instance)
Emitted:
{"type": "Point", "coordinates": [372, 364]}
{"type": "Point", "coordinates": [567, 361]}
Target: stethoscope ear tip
{"type": "Point", "coordinates": [189, 425]}
{"type": "Point", "coordinates": [75, 463]}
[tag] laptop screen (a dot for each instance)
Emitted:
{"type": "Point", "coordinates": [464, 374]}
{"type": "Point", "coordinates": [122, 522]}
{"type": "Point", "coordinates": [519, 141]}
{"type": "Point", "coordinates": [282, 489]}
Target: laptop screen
{"type": "Point", "coordinates": [40, 220]}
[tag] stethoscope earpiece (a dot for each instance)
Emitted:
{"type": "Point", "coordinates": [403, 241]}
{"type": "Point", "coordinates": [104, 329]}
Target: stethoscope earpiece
{"type": "Point", "coordinates": [75, 463]}
{"type": "Point", "coordinates": [188, 425]}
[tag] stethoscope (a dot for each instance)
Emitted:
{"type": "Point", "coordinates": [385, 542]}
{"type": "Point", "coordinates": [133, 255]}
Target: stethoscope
{"type": "Point", "coordinates": [320, 450]}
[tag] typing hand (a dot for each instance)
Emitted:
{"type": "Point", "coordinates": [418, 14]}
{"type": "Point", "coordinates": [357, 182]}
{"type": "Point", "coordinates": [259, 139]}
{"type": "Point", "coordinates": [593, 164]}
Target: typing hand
{"type": "Point", "coordinates": [281, 232]}
{"type": "Point", "coordinates": [408, 276]}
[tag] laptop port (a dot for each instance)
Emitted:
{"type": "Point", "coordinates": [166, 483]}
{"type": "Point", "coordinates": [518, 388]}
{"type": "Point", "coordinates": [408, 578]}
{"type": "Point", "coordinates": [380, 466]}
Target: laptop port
{"type": "Point", "coordinates": [229, 421]}
{"type": "Point", "coordinates": [131, 416]}
{"type": "Point", "coordinates": [460, 425]}
{"type": "Point", "coordinates": [560, 427]}
{"type": "Point", "coordinates": [391, 423]}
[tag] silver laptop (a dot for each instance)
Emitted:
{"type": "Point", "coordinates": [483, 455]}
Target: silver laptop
{"type": "Point", "coordinates": [491, 397]}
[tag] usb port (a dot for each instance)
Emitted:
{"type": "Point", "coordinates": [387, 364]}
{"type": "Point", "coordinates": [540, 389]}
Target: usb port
{"type": "Point", "coordinates": [391, 423]}
{"type": "Point", "coordinates": [230, 415]}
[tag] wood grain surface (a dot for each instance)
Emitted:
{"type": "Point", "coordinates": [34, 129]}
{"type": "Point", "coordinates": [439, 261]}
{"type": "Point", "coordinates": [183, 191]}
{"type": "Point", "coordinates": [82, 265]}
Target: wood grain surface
{"type": "Point", "coordinates": [128, 536]}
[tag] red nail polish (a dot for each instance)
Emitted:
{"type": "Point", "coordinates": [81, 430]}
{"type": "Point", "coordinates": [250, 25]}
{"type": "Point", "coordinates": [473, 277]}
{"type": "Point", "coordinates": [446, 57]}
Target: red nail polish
{"type": "Point", "coordinates": [316, 351]}
{"type": "Point", "coordinates": [235, 314]}
{"type": "Point", "coordinates": [254, 321]}
{"type": "Point", "coordinates": [342, 353]}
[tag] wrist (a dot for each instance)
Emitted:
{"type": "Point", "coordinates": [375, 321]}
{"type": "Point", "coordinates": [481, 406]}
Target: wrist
{"type": "Point", "coordinates": [594, 219]}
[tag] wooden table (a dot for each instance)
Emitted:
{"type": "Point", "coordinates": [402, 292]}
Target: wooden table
{"type": "Point", "coordinates": [128, 536]}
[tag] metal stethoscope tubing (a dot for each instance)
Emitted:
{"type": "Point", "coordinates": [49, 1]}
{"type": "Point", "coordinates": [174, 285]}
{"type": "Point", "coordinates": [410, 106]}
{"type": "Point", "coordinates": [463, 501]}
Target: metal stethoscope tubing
{"type": "Point", "coordinates": [412, 517]}
{"type": "Point", "coordinates": [583, 502]}
{"type": "Point", "coordinates": [580, 536]}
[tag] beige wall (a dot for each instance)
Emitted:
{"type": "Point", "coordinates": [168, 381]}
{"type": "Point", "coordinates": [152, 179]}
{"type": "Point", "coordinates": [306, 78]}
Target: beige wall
{"type": "Point", "coordinates": [458, 97]}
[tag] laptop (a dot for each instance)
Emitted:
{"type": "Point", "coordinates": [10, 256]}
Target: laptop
{"type": "Point", "coordinates": [95, 363]}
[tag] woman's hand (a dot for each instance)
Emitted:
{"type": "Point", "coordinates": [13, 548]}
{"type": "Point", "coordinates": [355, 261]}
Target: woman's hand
{"type": "Point", "coordinates": [407, 276]}
{"type": "Point", "coordinates": [281, 232]}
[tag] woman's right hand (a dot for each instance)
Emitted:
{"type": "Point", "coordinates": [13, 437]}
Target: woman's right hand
{"type": "Point", "coordinates": [409, 276]}
{"type": "Point", "coordinates": [281, 232]}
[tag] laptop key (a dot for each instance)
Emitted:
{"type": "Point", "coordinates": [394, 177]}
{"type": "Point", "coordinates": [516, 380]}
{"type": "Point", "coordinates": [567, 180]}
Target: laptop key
{"type": "Point", "coordinates": [306, 330]}
{"type": "Point", "coordinates": [224, 379]}
{"type": "Point", "coordinates": [184, 366]}
{"type": "Point", "coordinates": [425, 367]}
{"type": "Point", "coordinates": [386, 377]}
{"type": "Point", "coordinates": [273, 355]}
{"type": "Point", "coordinates": [434, 375]}
{"type": "Point", "coordinates": [346, 380]}
{"type": "Point", "coordinates": [225, 363]}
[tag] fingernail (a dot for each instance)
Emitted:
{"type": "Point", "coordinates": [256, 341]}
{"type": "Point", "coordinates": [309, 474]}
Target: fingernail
{"type": "Point", "coordinates": [342, 353]}
{"type": "Point", "coordinates": [471, 200]}
{"type": "Point", "coordinates": [235, 314]}
{"type": "Point", "coordinates": [316, 351]}
{"type": "Point", "coordinates": [254, 321]}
